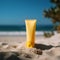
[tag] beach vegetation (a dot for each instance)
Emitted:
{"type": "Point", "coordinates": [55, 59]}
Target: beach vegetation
{"type": "Point", "coordinates": [48, 34]}
{"type": "Point", "coordinates": [54, 13]}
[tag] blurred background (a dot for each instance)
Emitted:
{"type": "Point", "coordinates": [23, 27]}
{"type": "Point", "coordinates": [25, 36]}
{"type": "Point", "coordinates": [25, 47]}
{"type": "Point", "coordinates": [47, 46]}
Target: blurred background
{"type": "Point", "coordinates": [13, 14]}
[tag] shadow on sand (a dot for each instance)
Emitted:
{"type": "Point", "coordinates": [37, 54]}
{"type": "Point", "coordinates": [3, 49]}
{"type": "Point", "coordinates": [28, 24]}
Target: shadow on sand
{"type": "Point", "coordinates": [15, 55]}
{"type": "Point", "coordinates": [43, 47]}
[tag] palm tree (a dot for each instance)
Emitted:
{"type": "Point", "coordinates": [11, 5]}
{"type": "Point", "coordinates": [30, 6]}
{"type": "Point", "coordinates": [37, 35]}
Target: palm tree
{"type": "Point", "coordinates": [54, 14]}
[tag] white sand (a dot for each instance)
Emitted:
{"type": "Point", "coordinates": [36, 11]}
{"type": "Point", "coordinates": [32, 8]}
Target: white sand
{"type": "Point", "coordinates": [50, 47]}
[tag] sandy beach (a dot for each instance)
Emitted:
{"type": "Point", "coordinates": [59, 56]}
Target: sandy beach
{"type": "Point", "coordinates": [48, 48]}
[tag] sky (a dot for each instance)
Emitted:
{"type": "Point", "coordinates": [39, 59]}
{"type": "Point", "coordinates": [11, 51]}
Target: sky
{"type": "Point", "coordinates": [15, 12]}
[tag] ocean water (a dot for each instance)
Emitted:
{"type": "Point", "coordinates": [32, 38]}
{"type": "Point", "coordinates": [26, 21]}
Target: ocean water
{"type": "Point", "coordinates": [23, 28]}
{"type": "Point", "coordinates": [8, 30]}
